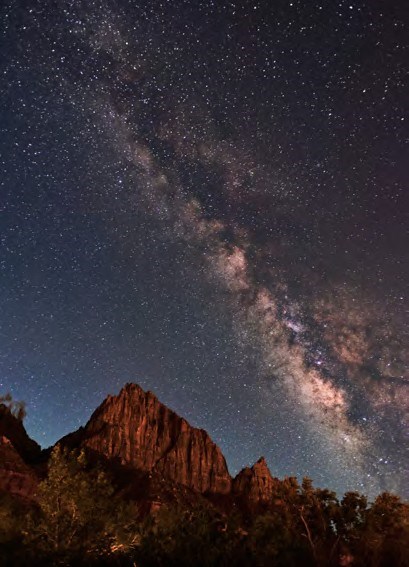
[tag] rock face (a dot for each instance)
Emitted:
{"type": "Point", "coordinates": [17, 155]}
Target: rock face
{"type": "Point", "coordinates": [256, 483]}
{"type": "Point", "coordinates": [16, 476]}
{"type": "Point", "coordinates": [17, 453]}
{"type": "Point", "coordinates": [13, 429]}
{"type": "Point", "coordinates": [135, 429]}
{"type": "Point", "coordinates": [163, 457]}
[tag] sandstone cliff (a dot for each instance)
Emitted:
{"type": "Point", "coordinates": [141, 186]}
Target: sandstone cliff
{"type": "Point", "coordinates": [135, 429]}
{"type": "Point", "coordinates": [17, 453]}
{"type": "Point", "coordinates": [255, 483]}
{"type": "Point", "coordinates": [16, 477]}
{"type": "Point", "coordinates": [163, 454]}
{"type": "Point", "coordinates": [13, 429]}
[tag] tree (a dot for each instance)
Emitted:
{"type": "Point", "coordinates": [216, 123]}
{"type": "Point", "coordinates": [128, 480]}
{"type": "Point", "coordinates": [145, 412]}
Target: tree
{"type": "Point", "coordinates": [351, 518]}
{"type": "Point", "coordinates": [18, 409]}
{"type": "Point", "coordinates": [13, 514]}
{"type": "Point", "coordinates": [78, 514]}
{"type": "Point", "coordinates": [319, 509]}
{"type": "Point", "coordinates": [385, 534]}
{"type": "Point", "coordinates": [9, 519]}
{"type": "Point", "coordinates": [185, 537]}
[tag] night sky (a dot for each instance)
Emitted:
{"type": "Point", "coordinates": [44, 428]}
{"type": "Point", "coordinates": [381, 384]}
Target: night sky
{"type": "Point", "coordinates": [211, 199]}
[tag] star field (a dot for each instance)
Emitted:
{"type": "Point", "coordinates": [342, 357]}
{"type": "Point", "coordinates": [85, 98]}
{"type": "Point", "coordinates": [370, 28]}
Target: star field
{"type": "Point", "coordinates": [210, 199]}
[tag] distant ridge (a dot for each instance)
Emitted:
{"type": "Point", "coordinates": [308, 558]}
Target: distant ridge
{"type": "Point", "coordinates": [147, 445]}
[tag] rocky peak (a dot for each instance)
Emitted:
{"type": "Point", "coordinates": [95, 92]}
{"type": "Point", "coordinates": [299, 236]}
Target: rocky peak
{"type": "Point", "coordinates": [137, 430]}
{"type": "Point", "coordinates": [13, 429]}
{"type": "Point", "coordinates": [16, 477]}
{"type": "Point", "coordinates": [255, 483]}
{"type": "Point", "coordinates": [17, 453]}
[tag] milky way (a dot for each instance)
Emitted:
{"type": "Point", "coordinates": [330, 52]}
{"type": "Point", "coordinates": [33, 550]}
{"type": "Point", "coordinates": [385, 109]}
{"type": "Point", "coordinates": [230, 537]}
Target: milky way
{"type": "Point", "coordinates": [212, 201]}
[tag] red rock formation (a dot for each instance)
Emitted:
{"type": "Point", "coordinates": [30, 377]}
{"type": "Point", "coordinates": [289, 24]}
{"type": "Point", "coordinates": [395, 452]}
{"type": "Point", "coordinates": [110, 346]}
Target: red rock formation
{"type": "Point", "coordinates": [137, 430]}
{"type": "Point", "coordinates": [17, 453]}
{"type": "Point", "coordinates": [16, 476]}
{"type": "Point", "coordinates": [256, 483]}
{"type": "Point", "coordinates": [165, 458]}
{"type": "Point", "coordinates": [13, 429]}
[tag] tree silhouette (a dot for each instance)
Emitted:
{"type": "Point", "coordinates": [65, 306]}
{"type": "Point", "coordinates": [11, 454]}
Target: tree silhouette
{"type": "Point", "coordinates": [18, 409]}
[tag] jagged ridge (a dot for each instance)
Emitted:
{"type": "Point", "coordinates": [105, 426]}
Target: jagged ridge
{"type": "Point", "coordinates": [17, 453]}
{"type": "Point", "coordinates": [255, 483]}
{"type": "Point", "coordinates": [138, 430]}
{"type": "Point", "coordinates": [134, 429]}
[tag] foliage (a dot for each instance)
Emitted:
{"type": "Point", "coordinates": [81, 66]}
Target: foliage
{"type": "Point", "coordinates": [385, 538]}
{"type": "Point", "coordinates": [80, 520]}
{"type": "Point", "coordinates": [13, 513]}
{"type": "Point", "coordinates": [303, 526]}
{"type": "Point", "coordinates": [78, 514]}
{"type": "Point", "coordinates": [10, 513]}
{"type": "Point", "coordinates": [182, 537]}
{"type": "Point", "coordinates": [18, 409]}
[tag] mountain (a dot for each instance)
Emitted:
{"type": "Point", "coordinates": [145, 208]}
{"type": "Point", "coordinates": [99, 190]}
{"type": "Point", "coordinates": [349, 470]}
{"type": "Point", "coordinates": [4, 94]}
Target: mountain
{"type": "Point", "coordinates": [14, 430]}
{"type": "Point", "coordinates": [255, 484]}
{"type": "Point", "coordinates": [154, 455]}
{"type": "Point", "coordinates": [18, 454]}
{"type": "Point", "coordinates": [136, 430]}
{"type": "Point", "coordinates": [16, 477]}
{"type": "Point", "coordinates": [155, 459]}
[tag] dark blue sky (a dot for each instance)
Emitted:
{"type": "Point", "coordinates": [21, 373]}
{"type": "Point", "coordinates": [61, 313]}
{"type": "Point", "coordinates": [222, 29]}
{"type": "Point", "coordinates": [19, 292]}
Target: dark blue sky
{"type": "Point", "coordinates": [211, 201]}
